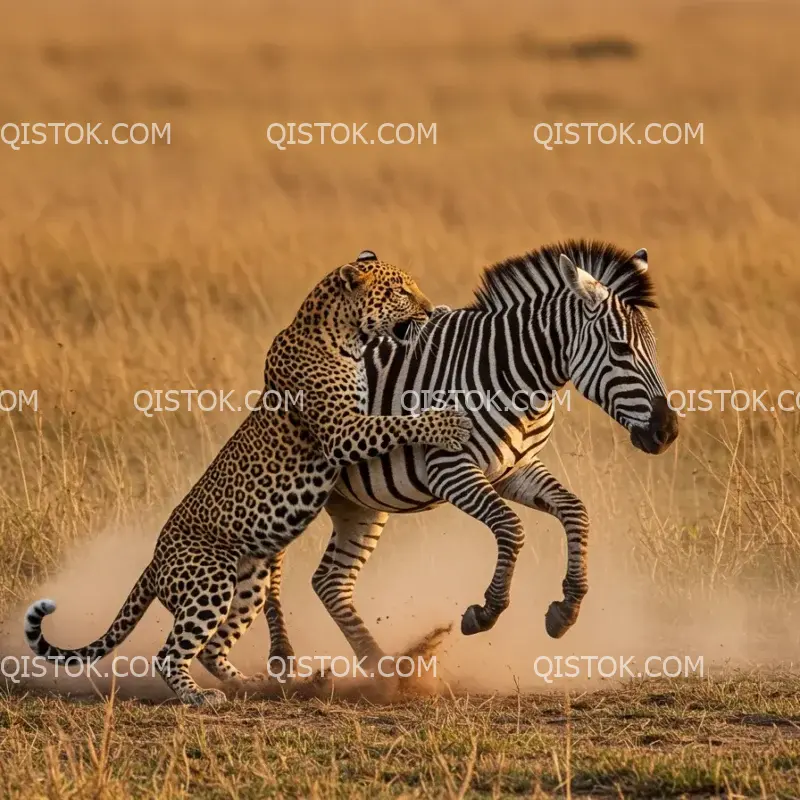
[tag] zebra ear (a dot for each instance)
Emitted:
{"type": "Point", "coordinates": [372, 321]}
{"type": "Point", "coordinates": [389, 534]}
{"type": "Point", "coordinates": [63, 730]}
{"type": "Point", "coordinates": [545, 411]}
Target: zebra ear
{"type": "Point", "coordinates": [640, 260]}
{"type": "Point", "coordinates": [582, 284]}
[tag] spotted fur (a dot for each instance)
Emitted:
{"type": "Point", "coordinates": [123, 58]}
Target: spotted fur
{"type": "Point", "coordinates": [271, 479]}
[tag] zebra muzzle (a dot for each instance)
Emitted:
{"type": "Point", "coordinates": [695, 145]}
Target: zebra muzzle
{"type": "Point", "coordinates": [660, 432]}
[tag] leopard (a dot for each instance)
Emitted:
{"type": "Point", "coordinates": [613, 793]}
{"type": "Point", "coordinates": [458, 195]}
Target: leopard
{"type": "Point", "coordinates": [270, 480]}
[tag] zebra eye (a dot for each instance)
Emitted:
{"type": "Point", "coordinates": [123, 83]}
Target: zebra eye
{"type": "Point", "coordinates": [619, 348]}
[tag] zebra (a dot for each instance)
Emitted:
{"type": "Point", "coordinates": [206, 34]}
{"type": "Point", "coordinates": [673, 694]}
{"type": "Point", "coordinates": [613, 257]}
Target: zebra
{"type": "Point", "coordinates": [566, 312]}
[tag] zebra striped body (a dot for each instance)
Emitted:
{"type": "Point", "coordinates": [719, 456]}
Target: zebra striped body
{"type": "Point", "coordinates": [508, 432]}
{"type": "Point", "coordinates": [571, 312]}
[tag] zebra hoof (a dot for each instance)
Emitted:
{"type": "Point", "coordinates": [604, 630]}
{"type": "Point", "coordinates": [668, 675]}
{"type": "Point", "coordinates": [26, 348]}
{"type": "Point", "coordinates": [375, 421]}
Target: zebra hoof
{"type": "Point", "coordinates": [475, 620]}
{"type": "Point", "coordinates": [469, 622]}
{"type": "Point", "coordinates": [281, 663]}
{"type": "Point", "coordinates": [556, 621]}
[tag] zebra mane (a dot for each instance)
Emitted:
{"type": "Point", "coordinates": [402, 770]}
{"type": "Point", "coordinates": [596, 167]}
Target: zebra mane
{"type": "Point", "coordinates": [610, 265]}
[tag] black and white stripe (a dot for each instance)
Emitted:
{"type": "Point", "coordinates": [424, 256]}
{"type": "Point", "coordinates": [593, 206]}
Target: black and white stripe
{"type": "Point", "coordinates": [570, 312]}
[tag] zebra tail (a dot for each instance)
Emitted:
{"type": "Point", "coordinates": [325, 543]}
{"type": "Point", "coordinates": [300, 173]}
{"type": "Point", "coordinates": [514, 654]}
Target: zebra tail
{"type": "Point", "coordinates": [142, 594]}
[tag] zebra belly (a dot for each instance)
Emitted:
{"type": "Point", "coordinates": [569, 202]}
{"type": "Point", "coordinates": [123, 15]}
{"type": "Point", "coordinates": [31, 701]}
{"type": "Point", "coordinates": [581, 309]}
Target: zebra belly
{"type": "Point", "coordinates": [398, 481]}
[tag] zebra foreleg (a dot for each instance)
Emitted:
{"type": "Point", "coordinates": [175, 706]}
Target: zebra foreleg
{"type": "Point", "coordinates": [458, 480]}
{"type": "Point", "coordinates": [534, 487]}
{"type": "Point", "coordinates": [356, 531]}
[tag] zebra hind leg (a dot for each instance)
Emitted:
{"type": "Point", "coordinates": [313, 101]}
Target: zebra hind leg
{"type": "Point", "coordinates": [355, 535]}
{"type": "Point", "coordinates": [281, 653]}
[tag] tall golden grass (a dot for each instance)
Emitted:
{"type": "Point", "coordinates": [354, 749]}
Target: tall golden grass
{"type": "Point", "coordinates": [171, 266]}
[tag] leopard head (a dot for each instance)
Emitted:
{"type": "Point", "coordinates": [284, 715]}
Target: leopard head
{"type": "Point", "coordinates": [386, 300]}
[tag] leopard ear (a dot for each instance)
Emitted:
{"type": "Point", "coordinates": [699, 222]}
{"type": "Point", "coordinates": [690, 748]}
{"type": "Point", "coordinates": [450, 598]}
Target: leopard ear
{"type": "Point", "coordinates": [351, 277]}
{"type": "Point", "coordinates": [367, 255]}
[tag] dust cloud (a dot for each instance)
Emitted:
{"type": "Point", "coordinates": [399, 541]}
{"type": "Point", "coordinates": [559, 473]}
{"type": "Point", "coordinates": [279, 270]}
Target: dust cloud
{"type": "Point", "coordinates": [427, 570]}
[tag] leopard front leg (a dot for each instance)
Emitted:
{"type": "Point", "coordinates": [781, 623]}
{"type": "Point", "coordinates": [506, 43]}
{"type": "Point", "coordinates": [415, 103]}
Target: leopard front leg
{"type": "Point", "coordinates": [349, 438]}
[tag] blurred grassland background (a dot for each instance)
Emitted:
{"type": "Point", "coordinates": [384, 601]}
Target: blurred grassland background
{"type": "Point", "coordinates": [172, 266]}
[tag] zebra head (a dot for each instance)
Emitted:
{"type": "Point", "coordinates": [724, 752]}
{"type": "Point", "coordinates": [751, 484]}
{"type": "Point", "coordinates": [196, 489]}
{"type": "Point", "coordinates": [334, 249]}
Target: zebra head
{"type": "Point", "coordinates": [612, 354]}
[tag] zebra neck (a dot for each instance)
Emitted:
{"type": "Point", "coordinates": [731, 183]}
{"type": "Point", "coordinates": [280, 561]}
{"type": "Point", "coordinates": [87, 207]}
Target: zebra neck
{"type": "Point", "coordinates": [483, 350]}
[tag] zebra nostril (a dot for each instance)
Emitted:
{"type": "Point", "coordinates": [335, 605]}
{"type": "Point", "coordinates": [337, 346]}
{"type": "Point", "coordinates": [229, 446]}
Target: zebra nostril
{"type": "Point", "coordinates": [666, 433]}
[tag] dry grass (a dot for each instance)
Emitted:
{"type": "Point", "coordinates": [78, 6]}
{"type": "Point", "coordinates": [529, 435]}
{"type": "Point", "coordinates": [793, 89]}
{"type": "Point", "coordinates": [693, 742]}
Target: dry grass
{"type": "Point", "coordinates": [655, 740]}
{"type": "Point", "coordinates": [126, 268]}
